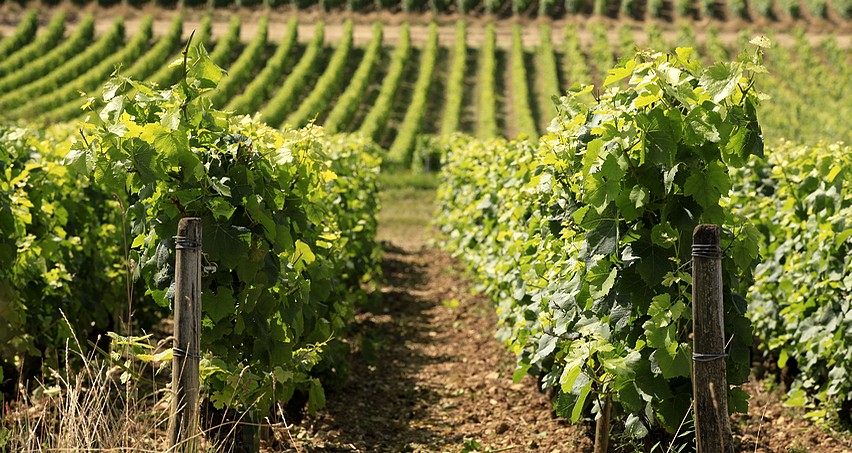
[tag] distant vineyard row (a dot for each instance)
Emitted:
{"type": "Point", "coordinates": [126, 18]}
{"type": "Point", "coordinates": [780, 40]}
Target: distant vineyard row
{"type": "Point", "coordinates": [390, 95]}
{"type": "Point", "coordinates": [636, 9]}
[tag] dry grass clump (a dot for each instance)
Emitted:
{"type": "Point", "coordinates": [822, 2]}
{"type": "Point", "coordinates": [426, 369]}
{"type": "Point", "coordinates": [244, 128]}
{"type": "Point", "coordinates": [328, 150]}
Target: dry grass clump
{"type": "Point", "coordinates": [93, 403]}
{"type": "Point", "coordinates": [116, 401]}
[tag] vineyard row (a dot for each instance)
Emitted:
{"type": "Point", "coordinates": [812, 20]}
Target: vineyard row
{"type": "Point", "coordinates": [488, 91]}
{"type": "Point", "coordinates": [722, 10]}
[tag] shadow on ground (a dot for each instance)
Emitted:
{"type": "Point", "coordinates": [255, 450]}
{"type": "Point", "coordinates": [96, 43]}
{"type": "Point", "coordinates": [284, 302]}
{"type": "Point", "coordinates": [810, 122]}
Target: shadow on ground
{"type": "Point", "coordinates": [378, 406]}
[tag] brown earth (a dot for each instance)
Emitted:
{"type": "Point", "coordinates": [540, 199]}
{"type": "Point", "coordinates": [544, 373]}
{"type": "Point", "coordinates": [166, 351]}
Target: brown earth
{"type": "Point", "coordinates": [429, 376]}
{"type": "Point", "coordinates": [769, 427]}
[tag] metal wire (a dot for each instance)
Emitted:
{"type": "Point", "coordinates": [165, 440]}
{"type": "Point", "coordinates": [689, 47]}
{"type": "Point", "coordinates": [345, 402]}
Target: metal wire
{"type": "Point", "coordinates": [711, 251]}
{"type": "Point", "coordinates": [183, 243]}
{"type": "Point", "coordinates": [180, 353]}
{"type": "Point", "coordinates": [696, 357]}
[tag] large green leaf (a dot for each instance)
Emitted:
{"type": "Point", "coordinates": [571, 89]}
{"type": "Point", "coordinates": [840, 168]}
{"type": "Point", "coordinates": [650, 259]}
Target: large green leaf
{"type": "Point", "coordinates": [720, 80]}
{"type": "Point", "coordinates": [708, 186]}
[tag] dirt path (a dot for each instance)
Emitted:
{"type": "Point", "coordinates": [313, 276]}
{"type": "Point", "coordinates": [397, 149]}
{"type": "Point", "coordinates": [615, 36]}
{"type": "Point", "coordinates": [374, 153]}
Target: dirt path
{"type": "Point", "coordinates": [427, 374]}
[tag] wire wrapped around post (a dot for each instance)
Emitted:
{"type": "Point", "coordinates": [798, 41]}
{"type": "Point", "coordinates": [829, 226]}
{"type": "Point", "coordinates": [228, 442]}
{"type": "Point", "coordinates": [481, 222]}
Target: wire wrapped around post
{"type": "Point", "coordinates": [183, 421]}
{"type": "Point", "coordinates": [709, 377]}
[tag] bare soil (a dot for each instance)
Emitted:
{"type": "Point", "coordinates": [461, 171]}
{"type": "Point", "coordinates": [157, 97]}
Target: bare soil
{"type": "Point", "coordinates": [769, 427]}
{"type": "Point", "coordinates": [429, 376]}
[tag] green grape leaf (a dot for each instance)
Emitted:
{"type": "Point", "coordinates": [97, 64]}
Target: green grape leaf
{"type": "Point", "coordinates": [590, 156]}
{"type": "Point", "coordinates": [220, 185]}
{"type": "Point", "coordinates": [620, 72]}
{"type": "Point", "coordinates": [202, 69]}
{"type": "Point", "coordinates": [602, 240]}
{"type": "Point", "coordinates": [653, 261]}
{"type": "Point", "coordinates": [225, 242]}
{"type": "Point", "coordinates": [672, 365]}
{"type": "Point", "coordinates": [168, 142]}
{"type": "Point", "coordinates": [662, 134]}
{"type": "Point", "coordinates": [112, 175]}
{"type": "Point", "coordinates": [738, 400]}
{"type": "Point", "coordinates": [143, 158]}
{"type": "Point", "coordinates": [635, 427]}
{"type": "Point", "coordinates": [221, 209]}
{"type": "Point", "coordinates": [78, 160]}
{"type": "Point", "coordinates": [669, 178]}
{"type": "Point", "coordinates": [672, 410]}
{"type": "Point", "coordinates": [707, 186]}
{"type": "Point", "coordinates": [639, 196]}
{"type": "Point", "coordinates": [624, 367]}
{"type": "Point", "coordinates": [630, 203]}
{"type": "Point", "coordinates": [171, 118]}
{"type": "Point", "coordinates": [111, 88]}
{"type": "Point", "coordinates": [522, 370]}
{"type": "Point", "coordinates": [720, 80]}
{"type": "Point", "coordinates": [700, 127]}
{"type": "Point", "coordinates": [601, 279]}
{"type": "Point", "coordinates": [218, 305]}
{"type": "Point", "coordinates": [303, 254]}
{"type": "Point", "coordinates": [796, 398]}
{"type": "Point", "coordinates": [577, 411]}
{"type": "Point", "coordinates": [316, 396]}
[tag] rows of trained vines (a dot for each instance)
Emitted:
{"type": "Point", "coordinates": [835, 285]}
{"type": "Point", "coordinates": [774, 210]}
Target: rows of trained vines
{"type": "Point", "coordinates": [580, 238]}
{"type": "Point", "coordinates": [377, 117]}
{"type": "Point", "coordinates": [300, 79]}
{"type": "Point", "coordinates": [138, 67]}
{"type": "Point", "coordinates": [520, 89]}
{"type": "Point", "coordinates": [575, 68]}
{"type": "Point", "coordinates": [327, 85]}
{"type": "Point", "coordinates": [652, 9]}
{"type": "Point", "coordinates": [47, 39]}
{"type": "Point", "coordinates": [241, 70]}
{"type": "Point", "coordinates": [401, 148]}
{"type": "Point", "coordinates": [22, 35]}
{"type": "Point", "coordinates": [66, 70]}
{"type": "Point", "coordinates": [287, 95]}
{"type": "Point", "coordinates": [259, 88]}
{"type": "Point", "coordinates": [226, 45]}
{"type": "Point", "coordinates": [799, 200]}
{"type": "Point", "coordinates": [487, 86]}
{"type": "Point", "coordinates": [89, 79]}
{"type": "Point", "coordinates": [580, 241]}
{"type": "Point", "coordinates": [548, 76]}
{"type": "Point", "coordinates": [347, 104]}
{"type": "Point", "coordinates": [36, 68]}
{"type": "Point", "coordinates": [167, 74]}
{"type": "Point", "coordinates": [451, 117]}
{"type": "Point", "coordinates": [537, 223]}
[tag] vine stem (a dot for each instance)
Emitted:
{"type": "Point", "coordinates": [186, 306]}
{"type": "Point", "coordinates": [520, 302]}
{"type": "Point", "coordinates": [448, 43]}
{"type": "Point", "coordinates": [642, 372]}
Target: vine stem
{"type": "Point", "coordinates": [626, 157]}
{"type": "Point", "coordinates": [602, 426]}
{"type": "Point", "coordinates": [127, 265]}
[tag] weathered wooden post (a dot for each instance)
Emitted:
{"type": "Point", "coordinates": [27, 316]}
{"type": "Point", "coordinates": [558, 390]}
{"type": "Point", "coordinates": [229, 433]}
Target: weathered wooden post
{"type": "Point", "coordinates": [183, 422]}
{"type": "Point", "coordinates": [709, 379]}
